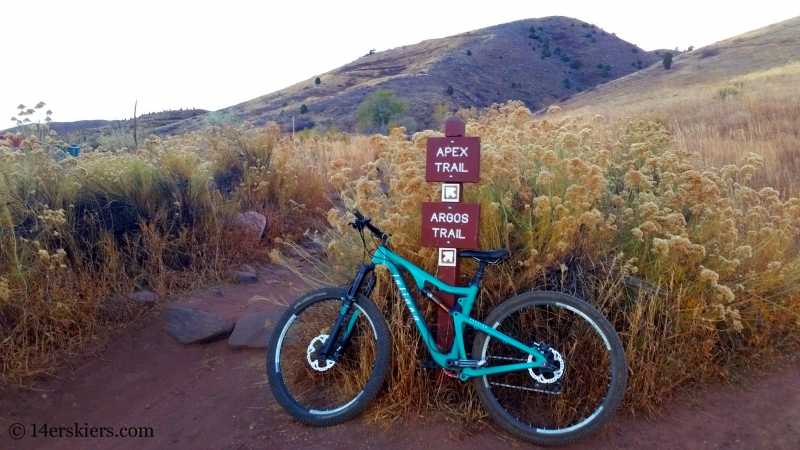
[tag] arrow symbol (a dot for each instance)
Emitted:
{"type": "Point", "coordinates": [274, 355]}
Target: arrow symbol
{"type": "Point", "coordinates": [451, 192]}
{"type": "Point", "coordinates": [447, 256]}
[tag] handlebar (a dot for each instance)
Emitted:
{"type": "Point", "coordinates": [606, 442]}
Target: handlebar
{"type": "Point", "coordinates": [362, 222]}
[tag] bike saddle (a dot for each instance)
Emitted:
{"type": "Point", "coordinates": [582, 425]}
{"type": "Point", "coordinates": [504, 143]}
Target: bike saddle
{"type": "Point", "coordinates": [489, 256]}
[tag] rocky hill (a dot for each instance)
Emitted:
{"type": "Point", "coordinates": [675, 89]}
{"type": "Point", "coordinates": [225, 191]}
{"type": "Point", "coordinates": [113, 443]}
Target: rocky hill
{"type": "Point", "coordinates": [538, 61]}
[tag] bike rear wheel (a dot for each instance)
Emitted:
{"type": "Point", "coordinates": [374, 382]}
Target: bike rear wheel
{"type": "Point", "coordinates": [588, 377]}
{"type": "Point", "coordinates": [323, 392]}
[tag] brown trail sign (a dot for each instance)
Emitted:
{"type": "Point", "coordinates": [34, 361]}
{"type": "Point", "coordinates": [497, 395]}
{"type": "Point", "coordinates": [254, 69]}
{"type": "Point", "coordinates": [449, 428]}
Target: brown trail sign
{"type": "Point", "coordinates": [451, 225]}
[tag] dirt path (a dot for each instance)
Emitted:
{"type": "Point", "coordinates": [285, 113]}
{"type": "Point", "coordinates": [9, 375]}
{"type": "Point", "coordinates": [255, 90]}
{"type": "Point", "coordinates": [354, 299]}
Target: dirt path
{"type": "Point", "coordinates": [213, 397]}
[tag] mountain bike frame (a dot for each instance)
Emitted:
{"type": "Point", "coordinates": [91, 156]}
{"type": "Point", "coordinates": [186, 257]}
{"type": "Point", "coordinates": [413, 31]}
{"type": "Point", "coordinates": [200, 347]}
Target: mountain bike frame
{"type": "Point", "coordinates": [465, 296]}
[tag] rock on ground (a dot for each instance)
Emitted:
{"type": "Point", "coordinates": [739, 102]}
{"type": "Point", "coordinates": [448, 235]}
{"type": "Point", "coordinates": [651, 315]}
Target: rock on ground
{"type": "Point", "coordinates": [245, 277]}
{"type": "Point", "coordinates": [251, 223]}
{"type": "Point", "coordinates": [192, 326]}
{"type": "Point", "coordinates": [253, 330]}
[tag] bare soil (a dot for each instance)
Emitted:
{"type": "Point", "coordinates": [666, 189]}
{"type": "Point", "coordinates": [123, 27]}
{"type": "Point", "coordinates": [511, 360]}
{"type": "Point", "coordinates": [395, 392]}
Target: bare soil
{"type": "Point", "coordinates": [214, 397]}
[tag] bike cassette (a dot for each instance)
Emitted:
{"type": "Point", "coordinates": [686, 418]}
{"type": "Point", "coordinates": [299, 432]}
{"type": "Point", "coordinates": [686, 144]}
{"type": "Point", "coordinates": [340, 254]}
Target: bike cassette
{"type": "Point", "coordinates": [312, 349]}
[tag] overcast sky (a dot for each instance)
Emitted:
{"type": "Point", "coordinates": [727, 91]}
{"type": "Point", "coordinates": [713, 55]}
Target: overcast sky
{"type": "Point", "coordinates": [93, 60]}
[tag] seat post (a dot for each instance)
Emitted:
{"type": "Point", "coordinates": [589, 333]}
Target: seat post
{"type": "Point", "coordinates": [476, 281]}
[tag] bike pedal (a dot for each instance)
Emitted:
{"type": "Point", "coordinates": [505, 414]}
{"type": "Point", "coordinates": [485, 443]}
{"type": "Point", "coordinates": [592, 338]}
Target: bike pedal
{"type": "Point", "coordinates": [429, 364]}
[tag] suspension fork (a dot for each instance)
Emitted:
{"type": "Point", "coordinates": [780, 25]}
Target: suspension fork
{"type": "Point", "coordinates": [328, 351]}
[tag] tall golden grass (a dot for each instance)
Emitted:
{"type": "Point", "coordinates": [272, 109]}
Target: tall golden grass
{"type": "Point", "coordinates": [723, 118]}
{"type": "Point", "coordinates": [77, 234]}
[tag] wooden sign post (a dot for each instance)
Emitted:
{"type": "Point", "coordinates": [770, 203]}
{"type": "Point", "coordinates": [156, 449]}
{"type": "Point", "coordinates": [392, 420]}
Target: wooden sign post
{"type": "Point", "coordinates": [451, 225]}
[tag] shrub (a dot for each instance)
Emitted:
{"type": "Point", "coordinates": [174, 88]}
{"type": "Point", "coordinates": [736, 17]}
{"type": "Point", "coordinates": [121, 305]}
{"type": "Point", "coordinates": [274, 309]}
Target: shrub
{"type": "Point", "coordinates": [667, 61]}
{"type": "Point", "coordinates": [588, 35]}
{"type": "Point", "coordinates": [600, 66]}
{"type": "Point", "coordinates": [218, 119]}
{"type": "Point", "coordinates": [303, 108]}
{"type": "Point", "coordinates": [567, 83]}
{"type": "Point", "coordinates": [317, 81]}
{"type": "Point", "coordinates": [469, 52]}
{"type": "Point", "coordinates": [575, 64]}
{"type": "Point", "coordinates": [727, 92]}
{"type": "Point", "coordinates": [635, 50]}
{"type": "Point", "coordinates": [378, 110]}
{"type": "Point", "coordinates": [449, 90]}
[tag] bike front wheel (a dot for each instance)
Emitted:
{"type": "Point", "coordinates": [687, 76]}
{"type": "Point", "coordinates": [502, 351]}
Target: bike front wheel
{"type": "Point", "coordinates": [587, 372]}
{"type": "Point", "coordinates": [318, 391]}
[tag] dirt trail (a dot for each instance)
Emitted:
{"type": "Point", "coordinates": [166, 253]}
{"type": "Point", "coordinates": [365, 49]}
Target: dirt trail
{"type": "Point", "coordinates": [213, 397]}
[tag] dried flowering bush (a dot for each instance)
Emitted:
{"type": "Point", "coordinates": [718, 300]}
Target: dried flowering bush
{"type": "Point", "coordinates": [697, 270]}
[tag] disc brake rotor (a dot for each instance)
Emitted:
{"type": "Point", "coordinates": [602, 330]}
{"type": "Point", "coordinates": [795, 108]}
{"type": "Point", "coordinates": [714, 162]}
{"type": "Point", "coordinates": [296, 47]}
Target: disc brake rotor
{"type": "Point", "coordinates": [315, 344]}
{"type": "Point", "coordinates": [555, 361]}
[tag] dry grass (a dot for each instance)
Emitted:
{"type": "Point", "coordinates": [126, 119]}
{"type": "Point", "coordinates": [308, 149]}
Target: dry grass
{"type": "Point", "coordinates": [79, 233]}
{"type": "Point", "coordinates": [721, 102]}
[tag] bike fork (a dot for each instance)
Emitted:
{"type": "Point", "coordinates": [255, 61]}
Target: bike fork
{"type": "Point", "coordinates": [328, 351]}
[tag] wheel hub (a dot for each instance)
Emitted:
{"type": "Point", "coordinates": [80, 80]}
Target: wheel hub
{"type": "Point", "coordinates": [314, 361]}
{"type": "Point", "coordinates": [554, 362]}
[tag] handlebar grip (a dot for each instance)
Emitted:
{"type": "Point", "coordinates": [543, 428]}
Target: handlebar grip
{"type": "Point", "coordinates": [358, 214]}
{"type": "Point", "coordinates": [375, 230]}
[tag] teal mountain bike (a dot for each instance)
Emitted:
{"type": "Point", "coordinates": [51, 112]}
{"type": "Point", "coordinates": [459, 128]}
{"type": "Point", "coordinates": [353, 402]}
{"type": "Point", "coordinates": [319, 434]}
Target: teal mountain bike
{"type": "Point", "coordinates": [548, 367]}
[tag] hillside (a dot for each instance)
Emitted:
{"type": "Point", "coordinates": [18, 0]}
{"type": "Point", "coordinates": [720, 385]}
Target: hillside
{"type": "Point", "coordinates": [762, 52]}
{"type": "Point", "coordinates": [484, 66]}
{"type": "Point", "coordinates": [490, 65]}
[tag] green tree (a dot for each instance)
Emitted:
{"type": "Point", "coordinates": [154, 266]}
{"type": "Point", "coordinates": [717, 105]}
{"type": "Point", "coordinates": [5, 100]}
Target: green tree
{"type": "Point", "coordinates": [441, 113]}
{"type": "Point", "coordinates": [317, 81]}
{"type": "Point", "coordinates": [449, 90]}
{"type": "Point", "coordinates": [667, 60]}
{"type": "Point", "coordinates": [378, 110]}
{"type": "Point", "coordinates": [303, 108]}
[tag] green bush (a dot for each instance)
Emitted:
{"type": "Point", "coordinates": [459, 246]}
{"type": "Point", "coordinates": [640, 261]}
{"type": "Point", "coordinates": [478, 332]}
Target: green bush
{"type": "Point", "coordinates": [449, 90]}
{"type": "Point", "coordinates": [317, 81]}
{"type": "Point", "coordinates": [667, 61]}
{"type": "Point", "coordinates": [469, 52]}
{"type": "Point", "coordinates": [378, 110]}
{"type": "Point", "coordinates": [303, 108]}
{"type": "Point", "coordinates": [575, 64]}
